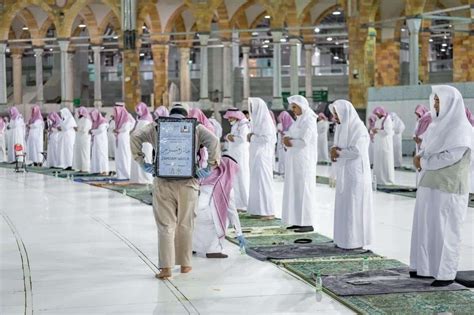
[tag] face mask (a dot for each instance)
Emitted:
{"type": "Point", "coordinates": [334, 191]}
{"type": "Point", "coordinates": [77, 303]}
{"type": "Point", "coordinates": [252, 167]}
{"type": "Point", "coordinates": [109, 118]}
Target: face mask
{"type": "Point", "coordinates": [232, 122]}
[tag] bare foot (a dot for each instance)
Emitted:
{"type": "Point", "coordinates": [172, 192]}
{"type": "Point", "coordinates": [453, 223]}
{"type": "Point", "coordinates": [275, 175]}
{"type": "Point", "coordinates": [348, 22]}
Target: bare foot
{"type": "Point", "coordinates": [186, 269]}
{"type": "Point", "coordinates": [164, 274]}
{"type": "Point", "coordinates": [268, 217]}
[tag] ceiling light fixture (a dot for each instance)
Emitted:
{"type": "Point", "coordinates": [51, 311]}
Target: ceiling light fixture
{"type": "Point", "coordinates": [431, 40]}
{"type": "Point", "coordinates": [25, 28]}
{"type": "Point", "coordinates": [336, 58]}
{"type": "Point", "coordinates": [267, 16]}
{"type": "Point", "coordinates": [443, 50]}
{"type": "Point", "coordinates": [336, 12]}
{"type": "Point", "coordinates": [317, 30]}
{"type": "Point", "coordinates": [255, 34]}
{"type": "Point", "coordinates": [444, 44]}
{"type": "Point", "coordinates": [283, 40]}
{"type": "Point", "coordinates": [82, 25]}
{"type": "Point", "coordinates": [329, 39]}
{"type": "Point", "coordinates": [265, 46]}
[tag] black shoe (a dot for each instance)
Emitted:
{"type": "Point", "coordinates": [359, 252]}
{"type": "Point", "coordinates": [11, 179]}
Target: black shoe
{"type": "Point", "coordinates": [304, 229]}
{"type": "Point", "coordinates": [68, 168]}
{"type": "Point", "coordinates": [216, 255]}
{"type": "Point", "coordinates": [441, 283]}
{"type": "Point", "coordinates": [414, 274]}
{"type": "Point", "coordinates": [293, 227]}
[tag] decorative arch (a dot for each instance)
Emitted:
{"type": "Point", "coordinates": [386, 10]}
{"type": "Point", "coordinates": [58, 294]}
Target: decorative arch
{"type": "Point", "coordinates": [72, 12]}
{"type": "Point", "coordinates": [149, 16]}
{"type": "Point", "coordinates": [110, 19]}
{"type": "Point", "coordinates": [173, 18]}
{"type": "Point", "coordinates": [11, 11]}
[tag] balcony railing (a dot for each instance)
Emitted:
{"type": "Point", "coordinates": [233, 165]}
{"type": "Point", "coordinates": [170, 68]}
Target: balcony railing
{"type": "Point", "coordinates": [441, 65]}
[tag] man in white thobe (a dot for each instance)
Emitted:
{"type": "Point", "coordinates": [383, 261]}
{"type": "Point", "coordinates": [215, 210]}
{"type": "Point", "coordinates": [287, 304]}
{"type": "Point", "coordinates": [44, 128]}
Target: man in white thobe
{"type": "Point", "coordinates": [383, 148]}
{"type": "Point", "coordinates": [299, 192]}
{"type": "Point", "coordinates": [216, 210]}
{"type": "Point", "coordinates": [443, 189]}
{"type": "Point", "coordinates": [353, 210]}
{"type": "Point", "coordinates": [398, 128]}
{"type": "Point", "coordinates": [34, 139]}
{"type": "Point", "coordinates": [323, 128]}
{"type": "Point", "coordinates": [3, 128]}
{"type": "Point", "coordinates": [16, 133]}
{"type": "Point", "coordinates": [238, 149]}
{"type": "Point", "coordinates": [124, 124]}
{"type": "Point", "coordinates": [67, 137]}
{"type": "Point", "coordinates": [262, 156]}
{"type": "Point", "coordinates": [82, 145]}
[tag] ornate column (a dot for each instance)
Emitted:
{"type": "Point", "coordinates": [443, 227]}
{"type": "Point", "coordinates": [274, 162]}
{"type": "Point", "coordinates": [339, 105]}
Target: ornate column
{"type": "Point", "coordinates": [277, 100]}
{"type": "Point", "coordinates": [160, 73]}
{"type": "Point", "coordinates": [98, 77]}
{"type": "Point", "coordinates": [204, 76]}
{"type": "Point", "coordinates": [17, 56]}
{"type": "Point", "coordinates": [294, 79]}
{"type": "Point", "coordinates": [414, 28]}
{"type": "Point", "coordinates": [184, 74]}
{"type": "Point", "coordinates": [39, 74]}
{"type": "Point", "coordinates": [227, 74]}
{"type": "Point", "coordinates": [309, 51]}
{"type": "Point", "coordinates": [3, 74]}
{"type": "Point", "coordinates": [131, 58]}
{"type": "Point", "coordinates": [246, 75]}
{"type": "Point", "coordinates": [70, 74]}
{"type": "Point", "coordinates": [65, 101]}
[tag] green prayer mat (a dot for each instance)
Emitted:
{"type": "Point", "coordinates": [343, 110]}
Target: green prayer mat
{"type": "Point", "coordinates": [246, 220]}
{"type": "Point", "coordinates": [305, 268]}
{"type": "Point", "coordinates": [451, 302]}
{"type": "Point", "coordinates": [405, 169]}
{"type": "Point", "coordinates": [282, 239]}
{"type": "Point", "coordinates": [141, 192]}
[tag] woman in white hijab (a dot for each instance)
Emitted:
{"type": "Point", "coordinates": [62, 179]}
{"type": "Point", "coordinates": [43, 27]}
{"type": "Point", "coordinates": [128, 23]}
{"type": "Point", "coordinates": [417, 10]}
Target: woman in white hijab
{"type": "Point", "coordinates": [301, 143]}
{"type": "Point", "coordinates": [67, 138]}
{"type": "Point", "coordinates": [262, 154]}
{"type": "Point", "coordinates": [353, 210]}
{"type": "Point", "coordinates": [443, 189]}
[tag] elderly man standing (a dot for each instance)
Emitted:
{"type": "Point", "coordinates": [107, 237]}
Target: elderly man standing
{"type": "Point", "coordinates": [443, 189]}
{"type": "Point", "coordinates": [353, 212]}
{"type": "Point", "coordinates": [299, 193]}
{"type": "Point", "coordinates": [175, 200]}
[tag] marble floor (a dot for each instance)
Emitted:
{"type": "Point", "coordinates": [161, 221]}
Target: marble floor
{"type": "Point", "coordinates": [70, 248]}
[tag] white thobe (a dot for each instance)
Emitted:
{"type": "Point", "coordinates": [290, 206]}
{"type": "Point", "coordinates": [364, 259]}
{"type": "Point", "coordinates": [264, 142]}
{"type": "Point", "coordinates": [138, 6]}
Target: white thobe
{"type": "Point", "coordinates": [123, 153]}
{"type": "Point", "coordinates": [206, 224]}
{"type": "Point", "coordinates": [82, 146]}
{"type": "Point", "coordinates": [67, 138]}
{"type": "Point", "coordinates": [398, 128]}
{"type": "Point", "coordinates": [53, 148]}
{"type": "Point", "coordinates": [280, 168]}
{"type": "Point", "coordinates": [239, 151]}
{"type": "Point", "coordinates": [299, 192]}
{"type": "Point", "coordinates": [217, 127]}
{"type": "Point", "coordinates": [112, 139]}
{"type": "Point", "coordinates": [34, 142]}
{"type": "Point", "coordinates": [472, 165]}
{"type": "Point", "coordinates": [16, 136]}
{"type": "Point", "coordinates": [137, 174]}
{"type": "Point", "coordinates": [323, 149]}
{"type": "Point", "coordinates": [353, 209]}
{"type": "Point", "coordinates": [100, 154]}
{"type": "Point", "coordinates": [383, 153]}
{"type": "Point", "coordinates": [3, 153]}
{"type": "Point", "coordinates": [262, 155]}
{"type": "Point", "coordinates": [437, 222]}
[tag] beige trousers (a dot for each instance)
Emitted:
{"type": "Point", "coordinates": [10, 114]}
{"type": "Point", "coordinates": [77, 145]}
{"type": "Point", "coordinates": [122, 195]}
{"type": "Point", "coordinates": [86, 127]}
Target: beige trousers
{"type": "Point", "coordinates": [174, 204]}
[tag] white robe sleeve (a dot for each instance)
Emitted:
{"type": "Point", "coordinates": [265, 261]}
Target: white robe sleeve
{"type": "Point", "coordinates": [102, 128]}
{"type": "Point", "coordinates": [262, 139]}
{"type": "Point", "coordinates": [388, 128]}
{"type": "Point", "coordinates": [441, 160]}
{"type": "Point", "coordinates": [233, 215]}
{"type": "Point", "coordinates": [351, 153]}
{"type": "Point", "coordinates": [304, 139]}
{"type": "Point", "coordinates": [241, 135]}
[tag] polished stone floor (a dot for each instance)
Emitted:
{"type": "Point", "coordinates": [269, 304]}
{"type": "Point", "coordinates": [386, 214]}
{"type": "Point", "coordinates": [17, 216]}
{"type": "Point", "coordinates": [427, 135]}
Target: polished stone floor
{"type": "Point", "coordinates": [78, 249]}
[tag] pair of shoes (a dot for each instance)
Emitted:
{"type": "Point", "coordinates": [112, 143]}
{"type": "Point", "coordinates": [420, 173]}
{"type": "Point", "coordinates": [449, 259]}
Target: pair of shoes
{"type": "Point", "coordinates": [216, 255]}
{"type": "Point", "coordinates": [414, 274]}
{"type": "Point", "coordinates": [293, 227]}
{"type": "Point", "coordinates": [441, 283]}
{"type": "Point", "coordinates": [304, 229]}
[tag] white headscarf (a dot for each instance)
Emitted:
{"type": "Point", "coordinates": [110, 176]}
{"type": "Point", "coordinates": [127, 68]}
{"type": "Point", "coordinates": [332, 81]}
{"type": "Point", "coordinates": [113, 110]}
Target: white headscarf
{"type": "Point", "coordinates": [261, 123]}
{"type": "Point", "coordinates": [451, 128]}
{"type": "Point", "coordinates": [68, 120]}
{"type": "Point", "coordinates": [351, 128]}
{"type": "Point", "coordinates": [307, 112]}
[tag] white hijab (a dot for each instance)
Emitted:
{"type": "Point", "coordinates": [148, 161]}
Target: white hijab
{"type": "Point", "coordinates": [451, 128]}
{"type": "Point", "coordinates": [262, 123]}
{"type": "Point", "coordinates": [68, 120]}
{"type": "Point", "coordinates": [351, 128]}
{"type": "Point", "coordinates": [307, 112]}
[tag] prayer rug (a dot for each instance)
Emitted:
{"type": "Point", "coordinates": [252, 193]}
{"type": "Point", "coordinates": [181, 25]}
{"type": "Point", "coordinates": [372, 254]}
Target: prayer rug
{"type": "Point", "coordinates": [246, 220]}
{"type": "Point", "coordinates": [141, 192]}
{"type": "Point", "coordinates": [306, 268]}
{"type": "Point", "coordinates": [406, 169]}
{"type": "Point", "coordinates": [377, 282]}
{"type": "Point", "coordinates": [420, 303]}
{"type": "Point", "coordinates": [281, 239]}
{"type": "Point", "coordinates": [293, 251]}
